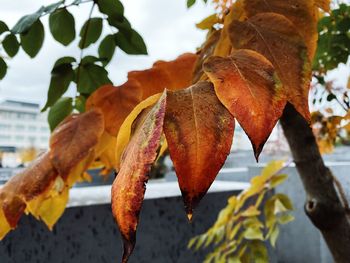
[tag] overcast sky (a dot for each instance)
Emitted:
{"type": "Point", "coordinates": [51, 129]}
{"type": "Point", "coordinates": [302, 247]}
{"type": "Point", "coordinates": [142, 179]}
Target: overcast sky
{"type": "Point", "coordinates": [167, 27]}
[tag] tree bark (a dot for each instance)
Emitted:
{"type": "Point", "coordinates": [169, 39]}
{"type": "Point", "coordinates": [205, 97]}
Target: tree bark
{"type": "Point", "coordinates": [323, 204]}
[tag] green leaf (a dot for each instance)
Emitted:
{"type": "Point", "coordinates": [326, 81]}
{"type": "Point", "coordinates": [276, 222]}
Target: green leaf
{"type": "Point", "coordinates": [122, 25]}
{"type": "Point", "coordinates": [80, 104]}
{"type": "Point", "coordinates": [59, 111]}
{"type": "Point", "coordinates": [53, 7]}
{"type": "Point", "coordinates": [112, 8]}
{"type": "Point", "coordinates": [90, 77]}
{"type": "Point", "coordinates": [11, 45]}
{"type": "Point", "coordinates": [62, 26]}
{"type": "Point", "coordinates": [61, 77]}
{"type": "Point", "coordinates": [190, 3]}
{"type": "Point", "coordinates": [253, 233]}
{"type": "Point", "coordinates": [26, 22]}
{"type": "Point", "coordinates": [3, 27]}
{"type": "Point", "coordinates": [259, 252]}
{"type": "Point", "coordinates": [90, 32]}
{"type": "Point", "coordinates": [284, 199]}
{"type": "Point", "coordinates": [3, 68]}
{"type": "Point", "coordinates": [63, 61]}
{"type": "Point", "coordinates": [106, 49]}
{"type": "Point", "coordinates": [285, 219]}
{"type": "Point", "coordinates": [33, 39]}
{"type": "Point", "coordinates": [277, 180]}
{"type": "Point", "coordinates": [274, 235]}
{"type": "Point", "coordinates": [89, 60]}
{"type": "Point", "coordinates": [133, 45]}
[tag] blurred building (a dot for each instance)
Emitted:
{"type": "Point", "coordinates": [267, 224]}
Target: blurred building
{"type": "Point", "coordinates": [22, 126]}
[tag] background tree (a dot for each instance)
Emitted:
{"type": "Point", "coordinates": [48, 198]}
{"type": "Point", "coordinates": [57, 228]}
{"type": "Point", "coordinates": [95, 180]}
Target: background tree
{"type": "Point", "coordinates": [255, 67]}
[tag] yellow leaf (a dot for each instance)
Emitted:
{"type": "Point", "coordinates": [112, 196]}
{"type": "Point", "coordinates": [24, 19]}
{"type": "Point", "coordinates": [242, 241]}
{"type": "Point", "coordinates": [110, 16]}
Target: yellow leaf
{"type": "Point", "coordinates": [266, 174]}
{"type": "Point", "coordinates": [208, 22]}
{"type": "Point", "coordinates": [125, 129]}
{"type": "Point", "coordinates": [277, 180]}
{"type": "Point", "coordinates": [4, 225]}
{"type": "Point", "coordinates": [251, 211]}
{"type": "Point", "coordinates": [253, 234]}
{"type": "Point", "coordinates": [52, 208]}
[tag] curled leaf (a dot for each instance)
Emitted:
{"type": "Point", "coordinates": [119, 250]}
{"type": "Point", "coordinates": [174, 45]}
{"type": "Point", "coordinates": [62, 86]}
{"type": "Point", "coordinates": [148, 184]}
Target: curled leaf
{"type": "Point", "coordinates": [247, 85]}
{"type": "Point", "coordinates": [199, 132]}
{"type": "Point", "coordinates": [129, 186]}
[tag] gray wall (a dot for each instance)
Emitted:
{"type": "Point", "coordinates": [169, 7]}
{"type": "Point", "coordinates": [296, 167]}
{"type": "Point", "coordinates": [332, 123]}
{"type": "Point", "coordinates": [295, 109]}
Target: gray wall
{"type": "Point", "coordinates": [89, 234]}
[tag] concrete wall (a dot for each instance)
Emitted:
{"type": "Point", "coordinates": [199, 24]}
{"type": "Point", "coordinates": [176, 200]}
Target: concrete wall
{"type": "Point", "coordinates": [89, 234]}
{"type": "Point", "coordinates": [299, 240]}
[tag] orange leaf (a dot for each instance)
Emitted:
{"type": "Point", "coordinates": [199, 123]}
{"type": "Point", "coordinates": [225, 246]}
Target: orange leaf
{"type": "Point", "coordinates": [73, 140]}
{"type": "Point", "coordinates": [116, 103]}
{"type": "Point", "coordinates": [247, 85]}
{"type": "Point", "coordinates": [302, 13]}
{"type": "Point", "coordinates": [172, 75]}
{"type": "Point", "coordinates": [199, 132]}
{"type": "Point", "coordinates": [276, 38]}
{"type": "Point", "coordinates": [129, 186]}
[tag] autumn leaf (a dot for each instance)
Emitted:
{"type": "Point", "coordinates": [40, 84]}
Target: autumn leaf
{"type": "Point", "coordinates": [199, 131]}
{"type": "Point", "coordinates": [247, 85]}
{"type": "Point", "coordinates": [24, 187]}
{"type": "Point", "coordinates": [73, 140]}
{"type": "Point", "coordinates": [206, 50]}
{"type": "Point", "coordinates": [276, 38]}
{"type": "Point", "coordinates": [223, 47]}
{"type": "Point", "coordinates": [125, 132]}
{"type": "Point", "coordinates": [323, 4]}
{"type": "Point", "coordinates": [171, 75]}
{"type": "Point", "coordinates": [116, 103]}
{"type": "Point", "coordinates": [129, 186]}
{"type": "Point", "coordinates": [302, 13]}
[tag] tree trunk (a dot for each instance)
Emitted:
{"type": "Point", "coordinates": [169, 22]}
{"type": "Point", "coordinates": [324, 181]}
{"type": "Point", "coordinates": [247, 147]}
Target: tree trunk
{"type": "Point", "coordinates": [323, 205]}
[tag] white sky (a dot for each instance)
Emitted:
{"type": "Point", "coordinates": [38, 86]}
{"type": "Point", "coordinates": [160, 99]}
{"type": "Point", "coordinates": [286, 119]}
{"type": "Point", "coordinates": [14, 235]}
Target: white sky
{"type": "Point", "coordinates": [167, 27]}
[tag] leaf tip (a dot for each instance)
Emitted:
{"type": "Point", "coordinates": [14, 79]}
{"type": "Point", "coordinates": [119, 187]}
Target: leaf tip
{"type": "Point", "coordinates": [190, 216]}
{"type": "Point", "coordinates": [128, 249]}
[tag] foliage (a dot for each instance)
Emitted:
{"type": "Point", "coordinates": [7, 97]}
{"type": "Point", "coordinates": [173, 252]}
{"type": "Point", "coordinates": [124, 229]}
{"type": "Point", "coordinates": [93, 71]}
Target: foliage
{"type": "Point", "coordinates": [333, 49]}
{"type": "Point", "coordinates": [241, 228]}
{"type": "Point", "coordinates": [87, 73]}
{"type": "Point", "coordinates": [256, 59]}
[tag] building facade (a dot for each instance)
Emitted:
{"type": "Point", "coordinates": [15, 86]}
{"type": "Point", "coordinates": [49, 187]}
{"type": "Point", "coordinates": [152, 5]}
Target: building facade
{"type": "Point", "coordinates": [22, 125]}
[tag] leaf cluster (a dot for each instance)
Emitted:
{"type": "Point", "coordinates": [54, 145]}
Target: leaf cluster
{"type": "Point", "coordinates": [87, 73]}
{"type": "Point", "coordinates": [248, 220]}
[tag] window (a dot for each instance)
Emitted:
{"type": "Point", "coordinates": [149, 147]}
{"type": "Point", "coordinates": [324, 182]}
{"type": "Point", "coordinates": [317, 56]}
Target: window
{"type": "Point", "coordinates": [19, 138]}
{"type": "Point", "coordinates": [5, 126]}
{"type": "Point", "coordinates": [5, 137]}
{"type": "Point", "coordinates": [32, 128]}
{"type": "Point", "coordinates": [20, 127]}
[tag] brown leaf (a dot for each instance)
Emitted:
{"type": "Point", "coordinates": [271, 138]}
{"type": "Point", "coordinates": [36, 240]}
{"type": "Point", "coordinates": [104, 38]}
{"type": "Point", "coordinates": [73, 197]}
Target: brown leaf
{"type": "Point", "coordinates": [247, 85]}
{"type": "Point", "coordinates": [74, 139]}
{"type": "Point", "coordinates": [302, 13]}
{"type": "Point", "coordinates": [276, 38]}
{"type": "Point", "coordinates": [25, 186]}
{"type": "Point", "coordinates": [199, 132]}
{"type": "Point", "coordinates": [129, 186]}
